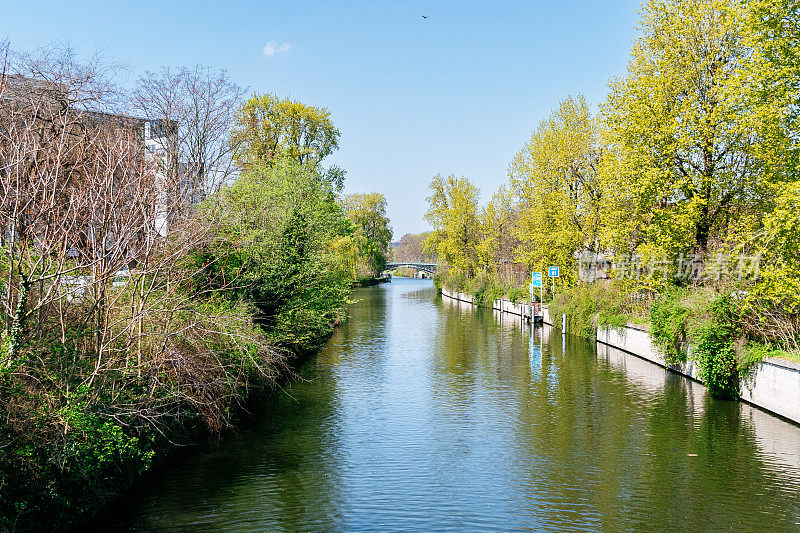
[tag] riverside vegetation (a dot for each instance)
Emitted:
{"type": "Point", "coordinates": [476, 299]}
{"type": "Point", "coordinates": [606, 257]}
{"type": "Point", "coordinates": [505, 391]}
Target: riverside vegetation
{"type": "Point", "coordinates": [688, 182]}
{"type": "Point", "coordinates": [150, 287]}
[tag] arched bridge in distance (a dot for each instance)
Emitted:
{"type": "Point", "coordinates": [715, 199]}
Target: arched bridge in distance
{"type": "Point", "coordinates": [430, 268]}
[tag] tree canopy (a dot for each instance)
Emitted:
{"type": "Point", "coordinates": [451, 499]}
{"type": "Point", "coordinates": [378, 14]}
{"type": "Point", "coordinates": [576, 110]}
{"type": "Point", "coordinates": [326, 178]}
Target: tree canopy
{"type": "Point", "coordinates": [555, 177]}
{"type": "Point", "coordinates": [269, 128]}
{"type": "Point", "coordinates": [681, 165]}
{"type": "Point", "coordinates": [453, 212]}
{"type": "Point", "coordinates": [372, 234]}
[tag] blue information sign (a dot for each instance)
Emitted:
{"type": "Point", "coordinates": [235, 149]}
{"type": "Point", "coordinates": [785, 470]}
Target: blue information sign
{"type": "Point", "coordinates": [536, 279]}
{"type": "Point", "coordinates": [552, 272]}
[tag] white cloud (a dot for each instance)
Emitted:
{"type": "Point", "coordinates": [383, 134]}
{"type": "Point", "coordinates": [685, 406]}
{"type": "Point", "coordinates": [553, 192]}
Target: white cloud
{"type": "Point", "coordinates": [272, 48]}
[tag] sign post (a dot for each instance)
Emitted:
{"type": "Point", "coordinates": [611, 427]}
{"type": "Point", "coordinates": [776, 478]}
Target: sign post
{"type": "Point", "coordinates": [536, 281]}
{"type": "Point", "coordinates": [553, 273]}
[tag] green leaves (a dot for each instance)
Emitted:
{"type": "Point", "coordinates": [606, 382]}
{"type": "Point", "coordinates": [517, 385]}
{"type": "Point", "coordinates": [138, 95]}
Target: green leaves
{"type": "Point", "coordinates": [774, 301]}
{"type": "Point", "coordinates": [709, 326]}
{"type": "Point", "coordinates": [372, 233]}
{"type": "Point", "coordinates": [555, 178]}
{"type": "Point", "coordinates": [277, 230]}
{"type": "Point", "coordinates": [770, 84]}
{"type": "Point", "coordinates": [668, 319]}
{"type": "Point", "coordinates": [269, 128]}
{"type": "Point", "coordinates": [714, 348]}
{"type": "Point", "coordinates": [453, 213]}
{"type": "Point", "coordinates": [682, 164]}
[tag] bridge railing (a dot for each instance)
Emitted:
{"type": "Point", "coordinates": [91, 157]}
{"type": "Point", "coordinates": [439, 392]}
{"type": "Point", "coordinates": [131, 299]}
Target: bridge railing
{"type": "Point", "coordinates": [425, 267]}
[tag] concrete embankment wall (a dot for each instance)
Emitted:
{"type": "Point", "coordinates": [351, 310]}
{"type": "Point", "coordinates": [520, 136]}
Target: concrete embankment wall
{"type": "Point", "coordinates": [504, 306]}
{"type": "Point", "coordinates": [773, 384]}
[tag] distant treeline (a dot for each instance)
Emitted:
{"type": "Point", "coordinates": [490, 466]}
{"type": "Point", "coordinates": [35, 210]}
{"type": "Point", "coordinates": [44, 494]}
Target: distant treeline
{"type": "Point", "coordinates": [411, 247]}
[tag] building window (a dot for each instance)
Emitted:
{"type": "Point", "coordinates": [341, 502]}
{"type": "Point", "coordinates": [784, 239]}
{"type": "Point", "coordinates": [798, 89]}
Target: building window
{"type": "Point", "coordinates": [156, 128]}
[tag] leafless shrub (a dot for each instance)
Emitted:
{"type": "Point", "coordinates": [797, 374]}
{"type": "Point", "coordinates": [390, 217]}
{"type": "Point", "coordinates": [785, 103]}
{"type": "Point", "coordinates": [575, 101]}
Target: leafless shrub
{"type": "Point", "coordinates": [197, 106]}
{"type": "Point", "coordinates": [96, 238]}
{"type": "Point", "coordinates": [773, 324]}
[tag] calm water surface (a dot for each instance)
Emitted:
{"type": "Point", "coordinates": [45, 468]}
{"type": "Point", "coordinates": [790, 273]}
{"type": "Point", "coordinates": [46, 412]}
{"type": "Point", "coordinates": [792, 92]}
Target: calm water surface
{"type": "Point", "coordinates": [423, 415]}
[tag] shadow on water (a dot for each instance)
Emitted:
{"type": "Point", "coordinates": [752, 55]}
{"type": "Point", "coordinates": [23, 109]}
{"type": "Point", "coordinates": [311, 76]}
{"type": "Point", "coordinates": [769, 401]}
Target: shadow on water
{"type": "Point", "coordinates": [424, 413]}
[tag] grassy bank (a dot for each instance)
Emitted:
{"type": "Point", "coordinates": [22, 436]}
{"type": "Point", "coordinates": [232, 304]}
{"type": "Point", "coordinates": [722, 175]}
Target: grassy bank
{"type": "Point", "coordinates": [601, 304]}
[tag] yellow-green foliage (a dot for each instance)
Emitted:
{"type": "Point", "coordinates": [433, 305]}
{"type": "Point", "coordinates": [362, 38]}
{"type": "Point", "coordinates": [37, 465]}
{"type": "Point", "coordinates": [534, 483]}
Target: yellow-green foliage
{"type": "Point", "coordinates": [555, 178]}
{"type": "Point", "coordinates": [599, 304]}
{"type": "Point", "coordinates": [498, 222]}
{"type": "Point", "coordinates": [770, 92]}
{"type": "Point", "coordinates": [269, 128]}
{"type": "Point", "coordinates": [371, 235]}
{"type": "Point", "coordinates": [696, 156]}
{"type": "Point", "coordinates": [453, 213]}
{"type": "Point", "coordinates": [681, 167]}
{"type": "Point", "coordinates": [774, 301]}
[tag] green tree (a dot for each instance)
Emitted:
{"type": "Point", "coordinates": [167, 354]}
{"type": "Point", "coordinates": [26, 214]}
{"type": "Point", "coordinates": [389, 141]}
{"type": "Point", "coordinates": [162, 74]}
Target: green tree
{"type": "Point", "coordinates": [453, 213]}
{"type": "Point", "coordinates": [770, 84]}
{"type": "Point", "coordinates": [269, 128]}
{"type": "Point", "coordinates": [555, 177]}
{"type": "Point", "coordinates": [372, 233]}
{"type": "Point", "coordinates": [682, 165]}
{"type": "Point", "coordinates": [775, 298]}
{"type": "Point", "coordinates": [276, 233]}
{"type": "Point", "coordinates": [498, 227]}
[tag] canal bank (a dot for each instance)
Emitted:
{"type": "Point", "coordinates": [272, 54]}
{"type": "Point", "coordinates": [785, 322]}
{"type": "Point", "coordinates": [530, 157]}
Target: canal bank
{"type": "Point", "coordinates": [424, 413]}
{"type": "Point", "coordinates": [772, 384]}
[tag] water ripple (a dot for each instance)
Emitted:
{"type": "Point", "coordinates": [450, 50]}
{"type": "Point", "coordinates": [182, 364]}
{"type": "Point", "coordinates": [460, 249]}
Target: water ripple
{"type": "Point", "coordinates": [425, 415]}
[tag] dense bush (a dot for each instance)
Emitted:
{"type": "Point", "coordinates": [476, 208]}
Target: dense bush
{"type": "Point", "coordinates": [483, 290]}
{"type": "Point", "coordinates": [668, 320]}
{"type": "Point", "coordinates": [588, 306]}
{"type": "Point", "coordinates": [277, 226]}
{"type": "Point", "coordinates": [517, 294]}
{"type": "Point", "coordinates": [223, 318]}
{"type": "Point", "coordinates": [713, 339]}
{"type": "Point", "coordinates": [438, 282]}
{"type": "Point", "coordinates": [704, 327]}
{"type": "Point", "coordinates": [73, 435]}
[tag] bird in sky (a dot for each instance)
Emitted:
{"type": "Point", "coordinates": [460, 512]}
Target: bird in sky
{"type": "Point", "coordinates": [424, 16]}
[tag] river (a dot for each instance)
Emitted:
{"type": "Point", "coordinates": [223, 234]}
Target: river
{"type": "Point", "coordinates": [422, 414]}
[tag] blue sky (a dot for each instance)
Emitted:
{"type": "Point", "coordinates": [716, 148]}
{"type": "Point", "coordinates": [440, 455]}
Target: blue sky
{"type": "Point", "coordinates": [458, 92]}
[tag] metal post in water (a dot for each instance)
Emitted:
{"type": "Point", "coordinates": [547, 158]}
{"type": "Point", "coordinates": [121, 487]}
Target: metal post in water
{"type": "Point", "coordinates": [563, 323]}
